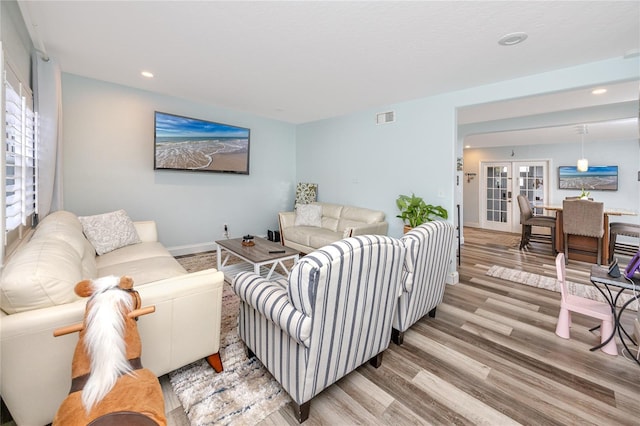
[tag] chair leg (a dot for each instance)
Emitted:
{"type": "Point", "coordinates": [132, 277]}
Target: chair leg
{"type": "Point", "coordinates": [605, 331]}
{"type": "Point", "coordinates": [553, 241]}
{"type": "Point", "coordinates": [599, 251]}
{"type": "Point", "coordinates": [526, 236]}
{"type": "Point", "coordinates": [397, 336]}
{"type": "Point", "coordinates": [301, 411]}
{"type": "Point", "coordinates": [432, 313]}
{"type": "Point", "coordinates": [376, 361]}
{"type": "Point", "coordinates": [215, 362]}
{"type": "Point", "coordinates": [566, 249]}
{"type": "Point", "coordinates": [564, 323]}
{"type": "Point", "coordinates": [249, 352]}
{"type": "Point", "coordinates": [612, 246]}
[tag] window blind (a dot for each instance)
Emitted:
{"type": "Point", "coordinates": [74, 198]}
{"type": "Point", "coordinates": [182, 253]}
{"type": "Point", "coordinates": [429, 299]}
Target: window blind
{"type": "Point", "coordinates": [20, 153]}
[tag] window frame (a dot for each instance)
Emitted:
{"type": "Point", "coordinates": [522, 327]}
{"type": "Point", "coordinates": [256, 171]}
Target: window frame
{"type": "Point", "coordinates": [25, 151]}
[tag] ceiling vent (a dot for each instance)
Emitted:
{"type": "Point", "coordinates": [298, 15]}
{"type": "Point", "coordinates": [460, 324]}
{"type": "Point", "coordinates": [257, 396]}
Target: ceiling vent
{"type": "Point", "coordinates": [385, 117]}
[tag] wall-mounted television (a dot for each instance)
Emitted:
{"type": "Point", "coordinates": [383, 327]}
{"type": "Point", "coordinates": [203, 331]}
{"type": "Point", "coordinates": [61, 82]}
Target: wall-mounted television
{"type": "Point", "coordinates": [596, 178]}
{"type": "Point", "coordinates": [183, 143]}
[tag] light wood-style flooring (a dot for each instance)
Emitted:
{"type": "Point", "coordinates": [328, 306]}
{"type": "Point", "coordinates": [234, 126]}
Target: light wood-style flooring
{"type": "Point", "coordinates": [490, 356]}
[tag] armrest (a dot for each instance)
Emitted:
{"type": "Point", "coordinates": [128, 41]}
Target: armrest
{"type": "Point", "coordinates": [379, 228]}
{"type": "Point", "coordinates": [287, 219]}
{"type": "Point", "coordinates": [147, 231]}
{"type": "Point", "coordinates": [271, 301]}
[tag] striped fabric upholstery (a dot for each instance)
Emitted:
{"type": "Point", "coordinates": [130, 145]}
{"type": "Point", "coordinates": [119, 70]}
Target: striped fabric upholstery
{"type": "Point", "coordinates": [428, 256]}
{"type": "Point", "coordinates": [335, 315]}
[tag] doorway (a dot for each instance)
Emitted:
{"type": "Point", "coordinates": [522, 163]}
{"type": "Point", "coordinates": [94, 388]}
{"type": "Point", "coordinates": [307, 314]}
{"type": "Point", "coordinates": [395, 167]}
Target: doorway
{"type": "Point", "coordinates": [501, 182]}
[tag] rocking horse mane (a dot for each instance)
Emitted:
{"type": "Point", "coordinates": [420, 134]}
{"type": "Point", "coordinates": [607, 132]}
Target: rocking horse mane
{"type": "Point", "coordinates": [104, 338]}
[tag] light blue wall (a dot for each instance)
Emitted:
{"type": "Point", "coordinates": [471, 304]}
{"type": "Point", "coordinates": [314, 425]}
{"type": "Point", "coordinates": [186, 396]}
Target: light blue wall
{"type": "Point", "coordinates": [15, 39]}
{"type": "Point", "coordinates": [108, 165]}
{"type": "Point", "coordinates": [624, 154]}
{"type": "Point", "coordinates": [356, 162]}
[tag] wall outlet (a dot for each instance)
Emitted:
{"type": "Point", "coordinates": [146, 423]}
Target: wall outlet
{"type": "Point", "coordinates": [226, 231]}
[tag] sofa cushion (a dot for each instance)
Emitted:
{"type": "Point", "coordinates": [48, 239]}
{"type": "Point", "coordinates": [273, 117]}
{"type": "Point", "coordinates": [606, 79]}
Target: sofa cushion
{"type": "Point", "coordinates": [307, 235]}
{"type": "Point", "coordinates": [132, 253]}
{"type": "Point", "coordinates": [308, 215]}
{"type": "Point", "coordinates": [109, 231]}
{"type": "Point", "coordinates": [330, 215]}
{"type": "Point", "coordinates": [43, 273]}
{"type": "Point", "coordinates": [89, 268]}
{"type": "Point", "coordinates": [64, 226]}
{"type": "Point", "coordinates": [354, 216]}
{"type": "Point", "coordinates": [145, 271]}
{"type": "Point", "coordinates": [326, 237]}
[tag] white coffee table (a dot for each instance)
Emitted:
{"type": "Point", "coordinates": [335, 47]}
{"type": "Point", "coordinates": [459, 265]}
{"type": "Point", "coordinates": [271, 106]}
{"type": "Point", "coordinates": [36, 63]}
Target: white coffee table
{"type": "Point", "coordinates": [262, 258]}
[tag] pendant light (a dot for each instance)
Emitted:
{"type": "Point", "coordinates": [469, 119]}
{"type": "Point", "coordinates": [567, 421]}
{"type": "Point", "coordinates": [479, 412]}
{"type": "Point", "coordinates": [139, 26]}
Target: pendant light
{"type": "Point", "coordinates": [583, 163]}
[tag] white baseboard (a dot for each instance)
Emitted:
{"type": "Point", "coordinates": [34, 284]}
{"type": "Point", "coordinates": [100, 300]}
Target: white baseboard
{"type": "Point", "coordinates": [192, 248]}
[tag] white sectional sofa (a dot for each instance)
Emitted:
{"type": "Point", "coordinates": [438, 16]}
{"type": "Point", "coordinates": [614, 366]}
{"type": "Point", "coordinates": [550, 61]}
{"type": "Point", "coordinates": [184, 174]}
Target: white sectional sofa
{"type": "Point", "coordinates": [36, 297]}
{"type": "Point", "coordinates": [318, 224]}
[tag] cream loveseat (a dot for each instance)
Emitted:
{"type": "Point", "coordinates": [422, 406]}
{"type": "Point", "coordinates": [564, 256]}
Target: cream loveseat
{"type": "Point", "coordinates": [317, 224]}
{"type": "Point", "coordinates": [37, 297]}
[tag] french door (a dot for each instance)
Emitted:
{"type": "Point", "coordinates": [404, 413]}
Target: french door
{"type": "Point", "coordinates": [501, 183]}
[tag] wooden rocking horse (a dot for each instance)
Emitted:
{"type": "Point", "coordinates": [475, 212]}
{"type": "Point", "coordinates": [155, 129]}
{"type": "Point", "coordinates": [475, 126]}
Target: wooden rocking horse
{"type": "Point", "coordinates": [109, 385]}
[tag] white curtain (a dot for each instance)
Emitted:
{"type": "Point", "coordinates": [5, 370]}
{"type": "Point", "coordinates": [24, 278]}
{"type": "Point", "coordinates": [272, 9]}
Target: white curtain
{"type": "Point", "coordinates": [48, 104]}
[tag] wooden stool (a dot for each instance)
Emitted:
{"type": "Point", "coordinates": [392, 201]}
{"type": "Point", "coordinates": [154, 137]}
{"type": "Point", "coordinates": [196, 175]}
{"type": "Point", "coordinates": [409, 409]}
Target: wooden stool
{"type": "Point", "coordinates": [626, 229]}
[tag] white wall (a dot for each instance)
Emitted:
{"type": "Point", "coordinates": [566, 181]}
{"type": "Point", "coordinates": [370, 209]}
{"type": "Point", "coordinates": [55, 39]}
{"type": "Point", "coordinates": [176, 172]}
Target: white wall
{"type": "Point", "coordinates": [108, 165]}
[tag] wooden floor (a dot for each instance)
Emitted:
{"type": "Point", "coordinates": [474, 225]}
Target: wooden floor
{"type": "Point", "coordinates": [490, 356]}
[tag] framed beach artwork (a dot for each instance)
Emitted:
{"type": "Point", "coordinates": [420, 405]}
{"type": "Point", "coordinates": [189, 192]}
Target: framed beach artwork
{"type": "Point", "coordinates": [185, 143]}
{"type": "Point", "coordinates": [596, 178]}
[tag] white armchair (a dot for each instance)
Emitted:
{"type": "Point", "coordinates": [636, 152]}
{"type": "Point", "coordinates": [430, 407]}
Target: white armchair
{"type": "Point", "coordinates": [428, 256]}
{"type": "Point", "coordinates": [330, 316]}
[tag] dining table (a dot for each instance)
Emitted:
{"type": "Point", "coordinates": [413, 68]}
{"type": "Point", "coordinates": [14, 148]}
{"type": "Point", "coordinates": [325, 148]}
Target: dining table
{"type": "Point", "coordinates": [586, 247]}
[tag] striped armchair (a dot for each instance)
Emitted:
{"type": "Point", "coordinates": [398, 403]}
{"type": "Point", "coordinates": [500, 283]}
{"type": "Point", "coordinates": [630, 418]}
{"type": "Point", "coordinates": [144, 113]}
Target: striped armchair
{"type": "Point", "coordinates": [330, 316]}
{"type": "Point", "coordinates": [428, 255]}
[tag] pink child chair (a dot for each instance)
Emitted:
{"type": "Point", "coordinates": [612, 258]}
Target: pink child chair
{"type": "Point", "coordinates": [571, 303]}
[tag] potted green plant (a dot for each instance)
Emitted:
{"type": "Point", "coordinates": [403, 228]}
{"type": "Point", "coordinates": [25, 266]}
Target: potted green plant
{"type": "Point", "coordinates": [584, 195]}
{"type": "Point", "coordinates": [414, 211]}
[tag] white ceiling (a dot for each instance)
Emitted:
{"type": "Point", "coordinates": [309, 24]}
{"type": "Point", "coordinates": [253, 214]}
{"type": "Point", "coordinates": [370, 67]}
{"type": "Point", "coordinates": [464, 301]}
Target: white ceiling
{"type": "Point", "coordinates": [564, 113]}
{"type": "Point", "coordinates": [304, 61]}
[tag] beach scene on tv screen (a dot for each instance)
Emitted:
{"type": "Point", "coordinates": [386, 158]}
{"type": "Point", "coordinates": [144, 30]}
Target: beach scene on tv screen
{"type": "Point", "coordinates": [598, 178]}
{"type": "Point", "coordinates": [190, 144]}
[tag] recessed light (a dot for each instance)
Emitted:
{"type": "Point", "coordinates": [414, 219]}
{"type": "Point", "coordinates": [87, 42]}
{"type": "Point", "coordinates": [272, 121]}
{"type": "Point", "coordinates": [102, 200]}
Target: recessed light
{"type": "Point", "coordinates": [512, 39]}
{"type": "Point", "coordinates": [467, 146]}
{"type": "Point", "coordinates": [598, 91]}
{"type": "Point", "coordinates": [147, 74]}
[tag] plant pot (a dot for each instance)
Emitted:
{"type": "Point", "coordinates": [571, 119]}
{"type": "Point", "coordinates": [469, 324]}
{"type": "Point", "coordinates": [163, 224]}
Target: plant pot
{"type": "Point", "coordinates": [407, 228]}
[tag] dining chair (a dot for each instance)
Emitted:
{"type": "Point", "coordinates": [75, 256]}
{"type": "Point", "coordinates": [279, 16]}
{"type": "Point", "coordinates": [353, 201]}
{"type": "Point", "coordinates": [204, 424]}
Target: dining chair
{"type": "Point", "coordinates": [592, 308]}
{"type": "Point", "coordinates": [626, 229]}
{"type": "Point", "coordinates": [528, 220]}
{"type": "Point", "coordinates": [583, 218]}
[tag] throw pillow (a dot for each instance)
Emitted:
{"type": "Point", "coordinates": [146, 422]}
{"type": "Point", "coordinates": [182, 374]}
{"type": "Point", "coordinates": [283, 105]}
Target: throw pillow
{"type": "Point", "coordinates": [109, 231]}
{"type": "Point", "coordinates": [309, 215]}
{"type": "Point", "coordinates": [306, 193]}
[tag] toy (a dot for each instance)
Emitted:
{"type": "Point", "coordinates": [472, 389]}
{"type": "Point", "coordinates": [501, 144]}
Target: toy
{"type": "Point", "coordinates": [109, 384]}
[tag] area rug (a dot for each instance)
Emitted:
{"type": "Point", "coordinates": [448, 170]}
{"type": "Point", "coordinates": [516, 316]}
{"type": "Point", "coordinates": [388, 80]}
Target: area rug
{"type": "Point", "coordinates": [245, 392]}
{"type": "Point", "coordinates": [550, 283]}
